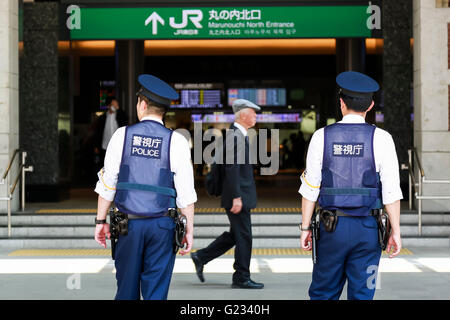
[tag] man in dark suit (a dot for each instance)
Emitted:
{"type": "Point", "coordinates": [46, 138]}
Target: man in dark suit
{"type": "Point", "coordinates": [238, 198]}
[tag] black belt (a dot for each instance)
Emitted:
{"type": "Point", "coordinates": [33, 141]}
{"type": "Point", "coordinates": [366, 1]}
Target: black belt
{"type": "Point", "coordinates": [339, 213]}
{"type": "Point", "coordinates": [135, 216]}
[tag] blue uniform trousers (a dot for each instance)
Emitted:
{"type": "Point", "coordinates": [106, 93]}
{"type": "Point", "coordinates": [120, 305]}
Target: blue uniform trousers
{"type": "Point", "coordinates": [144, 259]}
{"type": "Point", "coordinates": [351, 253]}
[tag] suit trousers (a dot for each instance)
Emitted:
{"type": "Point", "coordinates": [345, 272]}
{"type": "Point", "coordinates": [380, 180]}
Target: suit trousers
{"type": "Point", "coordinates": [145, 259]}
{"type": "Point", "coordinates": [240, 235]}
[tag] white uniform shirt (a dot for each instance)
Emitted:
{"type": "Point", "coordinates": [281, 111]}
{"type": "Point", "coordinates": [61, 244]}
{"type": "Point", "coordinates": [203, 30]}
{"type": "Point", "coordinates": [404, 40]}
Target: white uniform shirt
{"type": "Point", "coordinates": [180, 163]}
{"type": "Point", "coordinates": [110, 127]}
{"type": "Point", "coordinates": [386, 164]}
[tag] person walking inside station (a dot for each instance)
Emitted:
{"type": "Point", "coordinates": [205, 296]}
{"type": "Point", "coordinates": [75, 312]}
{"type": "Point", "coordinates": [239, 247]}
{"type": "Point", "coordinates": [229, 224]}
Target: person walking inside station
{"type": "Point", "coordinates": [352, 169]}
{"type": "Point", "coordinates": [106, 125]}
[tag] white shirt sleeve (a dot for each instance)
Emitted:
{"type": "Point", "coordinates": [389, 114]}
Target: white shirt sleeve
{"type": "Point", "coordinates": [181, 166]}
{"type": "Point", "coordinates": [108, 175]}
{"type": "Point", "coordinates": [312, 176]}
{"type": "Point", "coordinates": [387, 165]}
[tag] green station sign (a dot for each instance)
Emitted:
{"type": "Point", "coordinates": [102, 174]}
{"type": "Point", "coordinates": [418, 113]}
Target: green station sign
{"type": "Point", "coordinates": [222, 22]}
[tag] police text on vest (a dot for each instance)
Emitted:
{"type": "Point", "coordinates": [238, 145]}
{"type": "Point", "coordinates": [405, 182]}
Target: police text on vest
{"type": "Point", "coordinates": [145, 146]}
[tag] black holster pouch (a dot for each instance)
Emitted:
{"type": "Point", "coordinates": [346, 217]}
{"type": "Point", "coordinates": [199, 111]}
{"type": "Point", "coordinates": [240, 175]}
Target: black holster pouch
{"type": "Point", "coordinates": [328, 219]}
{"type": "Point", "coordinates": [118, 227]}
{"type": "Point", "coordinates": [180, 228]}
{"type": "Point", "coordinates": [384, 228]}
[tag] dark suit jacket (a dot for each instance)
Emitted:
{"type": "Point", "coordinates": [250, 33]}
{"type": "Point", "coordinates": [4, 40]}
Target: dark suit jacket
{"type": "Point", "coordinates": [238, 179]}
{"type": "Point", "coordinates": [121, 118]}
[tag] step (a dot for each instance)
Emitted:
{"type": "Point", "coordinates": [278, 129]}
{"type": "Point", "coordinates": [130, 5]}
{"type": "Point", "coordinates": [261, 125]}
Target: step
{"type": "Point", "coordinates": [48, 219]}
{"type": "Point", "coordinates": [205, 230]}
{"type": "Point", "coordinates": [200, 229]}
{"type": "Point", "coordinates": [88, 219]}
{"type": "Point", "coordinates": [212, 218]}
{"type": "Point", "coordinates": [273, 242]}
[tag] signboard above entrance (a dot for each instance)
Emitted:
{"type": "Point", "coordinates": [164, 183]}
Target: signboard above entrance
{"type": "Point", "coordinates": [224, 23]}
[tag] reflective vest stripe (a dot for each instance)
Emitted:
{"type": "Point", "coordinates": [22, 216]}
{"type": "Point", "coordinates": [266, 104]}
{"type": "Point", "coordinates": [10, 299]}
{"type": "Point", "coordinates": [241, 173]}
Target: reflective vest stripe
{"type": "Point", "coordinates": [146, 187]}
{"type": "Point", "coordinates": [344, 191]}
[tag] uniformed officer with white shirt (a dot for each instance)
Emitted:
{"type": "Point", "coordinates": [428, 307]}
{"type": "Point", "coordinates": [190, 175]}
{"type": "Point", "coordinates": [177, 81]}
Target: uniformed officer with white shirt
{"type": "Point", "coordinates": [147, 169]}
{"type": "Point", "coordinates": [352, 169]}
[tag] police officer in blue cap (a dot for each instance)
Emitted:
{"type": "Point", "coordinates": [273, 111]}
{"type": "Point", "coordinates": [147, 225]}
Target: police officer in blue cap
{"type": "Point", "coordinates": [147, 171]}
{"type": "Point", "coordinates": [352, 169]}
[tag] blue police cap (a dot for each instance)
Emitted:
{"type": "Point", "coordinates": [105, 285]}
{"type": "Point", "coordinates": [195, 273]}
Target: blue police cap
{"type": "Point", "coordinates": [356, 84]}
{"type": "Point", "coordinates": [156, 89]}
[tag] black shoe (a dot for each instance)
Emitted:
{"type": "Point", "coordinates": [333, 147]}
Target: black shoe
{"type": "Point", "coordinates": [247, 284]}
{"type": "Point", "coordinates": [198, 266]}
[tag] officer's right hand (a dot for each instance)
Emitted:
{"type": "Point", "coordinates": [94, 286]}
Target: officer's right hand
{"type": "Point", "coordinates": [188, 240]}
{"type": "Point", "coordinates": [101, 232]}
{"type": "Point", "coordinates": [306, 240]}
{"type": "Point", "coordinates": [395, 243]}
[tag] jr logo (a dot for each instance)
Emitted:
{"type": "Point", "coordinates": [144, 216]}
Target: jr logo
{"type": "Point", "coordinates": [194, 15]}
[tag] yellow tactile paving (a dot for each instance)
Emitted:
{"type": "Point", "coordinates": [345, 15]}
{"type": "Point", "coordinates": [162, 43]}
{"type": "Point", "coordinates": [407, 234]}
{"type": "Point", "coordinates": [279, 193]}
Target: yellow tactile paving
{"type": "Point", "coordinates": [60, 252]}
{"type": "Point", "coordinates": [107, 252]}
{"type": "Point", "coordinates": [197, 210]}
{"type": "Point", "coordinates": [296, 251]}
{"type": "Point", "coordinates": [66, 211]}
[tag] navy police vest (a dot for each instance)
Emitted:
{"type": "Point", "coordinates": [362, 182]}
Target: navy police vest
{"type": "Point", "coordinates": [349, 179]}
{"type": "Point", "coordinates": [145, 185]}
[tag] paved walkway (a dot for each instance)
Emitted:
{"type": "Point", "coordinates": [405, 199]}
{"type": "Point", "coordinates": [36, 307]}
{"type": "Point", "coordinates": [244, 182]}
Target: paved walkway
{"type": "Point", "coordinates": [418, 273]}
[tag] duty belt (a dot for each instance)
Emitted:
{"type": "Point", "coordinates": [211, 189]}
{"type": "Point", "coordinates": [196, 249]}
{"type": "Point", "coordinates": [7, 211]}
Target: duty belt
{"type": "Point", "coordinates": [119, 226]}
{"type": "Point", "coordinates": [340, 213]}
{"type": "Point", "coordinates": [134, 216]}
{"type": "Point", "coordinates": [329, 219]}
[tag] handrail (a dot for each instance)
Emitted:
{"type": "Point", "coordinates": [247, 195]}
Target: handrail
{"type": "Point", "coordinates": [10, 164]}
{"type": "Point", "coordinates": [12, 188]}
{"type": "Point", "coordinates": [418, 186]}
{"type": "Point", "coordinates": [422, 172]}
{"type": "Point", "coordinates": [17, 179]}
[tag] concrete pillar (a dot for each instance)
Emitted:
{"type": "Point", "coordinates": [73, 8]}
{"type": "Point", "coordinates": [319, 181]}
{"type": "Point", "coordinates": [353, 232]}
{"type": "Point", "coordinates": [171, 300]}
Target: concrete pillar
{"type": "Point", "coordinates": [350, 56]}
{"type": "Point", "coordinates": [397, 79]}
{"type": "Point", "coordinates": [432, 97]}
{"type": "Point", "coordinates": [129, 64]}
{"type": "Point", "coordinates": [39, 90]}
{"type": "Point", "coordinates": [9, 95]}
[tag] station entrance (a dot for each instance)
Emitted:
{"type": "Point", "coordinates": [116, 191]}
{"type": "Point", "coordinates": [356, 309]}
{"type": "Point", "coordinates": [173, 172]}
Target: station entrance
{"type": "Point", "coordinates": [295, 88]}
{"type": "Point", "coordinates": [282, 56]}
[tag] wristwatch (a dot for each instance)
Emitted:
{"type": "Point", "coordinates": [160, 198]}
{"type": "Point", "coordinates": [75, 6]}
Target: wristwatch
{"type": "Point", "coordinates": [100, 221]}
{"type": "Point", "coordinates": [303, 229]}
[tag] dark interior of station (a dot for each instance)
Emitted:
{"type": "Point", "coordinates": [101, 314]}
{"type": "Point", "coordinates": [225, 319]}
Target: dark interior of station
{"type": "Point", "coordinates": [307, 80]}
{"type": "Point", "coordinates": [83, 72]}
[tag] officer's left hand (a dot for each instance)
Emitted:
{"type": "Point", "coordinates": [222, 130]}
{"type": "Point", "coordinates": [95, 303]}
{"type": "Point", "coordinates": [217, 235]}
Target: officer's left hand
{"type": "Point", "coordinates": [395, 243]}
{"type": "Point", "coordinates": [188, 240]}
{"type": "Point", "coordinates": [101, 232]}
